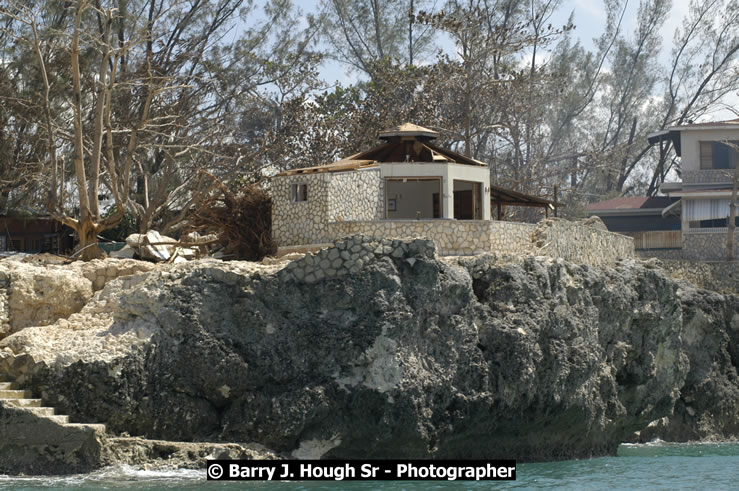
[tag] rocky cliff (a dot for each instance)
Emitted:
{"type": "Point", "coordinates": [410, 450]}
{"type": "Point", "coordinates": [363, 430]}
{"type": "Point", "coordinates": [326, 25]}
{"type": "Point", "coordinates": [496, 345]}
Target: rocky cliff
{"type": "Point", "coordinates": [380, 350]}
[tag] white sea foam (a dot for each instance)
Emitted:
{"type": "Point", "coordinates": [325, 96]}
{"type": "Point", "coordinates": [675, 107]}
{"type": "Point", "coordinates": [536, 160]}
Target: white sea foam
{"type": "Point", "coordinates": [109, 477]}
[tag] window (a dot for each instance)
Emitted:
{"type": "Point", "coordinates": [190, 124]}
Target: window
{"type": "Point", "coordinates": [299, 192]}
{"type": "Point", "coordinates": [718, 155]}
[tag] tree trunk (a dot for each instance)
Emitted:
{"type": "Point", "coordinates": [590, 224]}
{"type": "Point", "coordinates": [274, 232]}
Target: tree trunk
{"type": "Point", "coordinates": [87, 233]}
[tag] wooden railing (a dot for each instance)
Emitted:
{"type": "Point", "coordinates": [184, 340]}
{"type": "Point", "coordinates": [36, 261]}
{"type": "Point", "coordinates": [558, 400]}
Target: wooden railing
{"type": "Point", "coordinates": [661, 239]}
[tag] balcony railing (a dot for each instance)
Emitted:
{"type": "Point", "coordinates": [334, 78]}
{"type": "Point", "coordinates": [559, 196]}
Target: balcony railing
{"type": "Point", "coordinates": [707, 176]}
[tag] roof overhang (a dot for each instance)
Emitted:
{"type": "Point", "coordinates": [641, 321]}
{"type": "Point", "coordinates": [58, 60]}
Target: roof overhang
{"type": "Point", "coordinates": [673, 208]}
{"type": "Point", "coordinates": [670, 187]}
{"type": "Point", "coordinates": [344, 165]}
{"type": "Point", "coordinates": [698, 127]}
{"type": "Point", "coordinates": [670, 135]}
{"type": "Point", "coordinates": [508, 197]}
{"type": "Point", "coordinates": [627, 211]}
{"type": "Point", "coordinates": [718, 193]}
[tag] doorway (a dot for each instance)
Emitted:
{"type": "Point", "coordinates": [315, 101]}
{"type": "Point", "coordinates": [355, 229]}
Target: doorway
{"type": "Point", "coordinates": [467, 200]}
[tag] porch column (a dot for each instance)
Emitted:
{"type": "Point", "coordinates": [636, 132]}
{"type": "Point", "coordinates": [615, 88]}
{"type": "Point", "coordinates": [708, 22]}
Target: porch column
{"type": "Point", "coordinates": [448, 199]}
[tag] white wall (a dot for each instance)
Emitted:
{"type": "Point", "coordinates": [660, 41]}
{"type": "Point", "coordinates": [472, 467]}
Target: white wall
{"type": "Point", "coordinates": [690, 144]}
{"type": "Point", "coordinates": [448, 172]}
{"type": "Point", "coordinates": [412, 197]}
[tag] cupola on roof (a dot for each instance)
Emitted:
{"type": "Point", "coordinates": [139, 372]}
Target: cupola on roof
{"type": "Point", "coordinates": [408, 130]}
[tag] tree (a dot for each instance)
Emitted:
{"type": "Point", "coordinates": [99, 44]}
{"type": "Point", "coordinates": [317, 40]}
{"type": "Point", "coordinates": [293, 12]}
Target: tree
{"type": "Point", "coordinates": [702, 71]}
{"type": "Point", "coordinates": [363, 33]}
{"type": "Point", "coordinates": [148, 88]}
{"type": "Point", "coordinates": [498, 87]}
{"type": "Point", "coordinates": [731, 222]}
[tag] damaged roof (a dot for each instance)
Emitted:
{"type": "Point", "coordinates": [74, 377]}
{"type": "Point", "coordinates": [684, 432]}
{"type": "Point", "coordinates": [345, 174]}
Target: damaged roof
{"type": "Point", "coordinates": [403, 143]}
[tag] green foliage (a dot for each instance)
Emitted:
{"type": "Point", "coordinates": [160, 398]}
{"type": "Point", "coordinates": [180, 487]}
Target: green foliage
{"type": "Point", "coordinates": [125, 227]}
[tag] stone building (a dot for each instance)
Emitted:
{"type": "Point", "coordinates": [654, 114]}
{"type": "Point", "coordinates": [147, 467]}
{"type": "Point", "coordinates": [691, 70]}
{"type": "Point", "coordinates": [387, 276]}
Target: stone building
{"type": "Point", "coordinates": [407, 187]}
{"type": "Point", "coordinates": [405, 178]}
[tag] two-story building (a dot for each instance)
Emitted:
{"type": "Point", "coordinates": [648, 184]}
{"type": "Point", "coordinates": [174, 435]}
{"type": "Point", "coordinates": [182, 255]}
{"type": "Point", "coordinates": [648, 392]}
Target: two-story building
{"type": "Point", "coordinates": [691, 220]}
{"type": "Point", "coordinates": [709, 157]}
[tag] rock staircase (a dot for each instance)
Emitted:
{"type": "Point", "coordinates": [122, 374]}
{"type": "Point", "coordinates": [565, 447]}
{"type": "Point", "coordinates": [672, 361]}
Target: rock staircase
{"type": "Point", "coordinates": [12, 395]}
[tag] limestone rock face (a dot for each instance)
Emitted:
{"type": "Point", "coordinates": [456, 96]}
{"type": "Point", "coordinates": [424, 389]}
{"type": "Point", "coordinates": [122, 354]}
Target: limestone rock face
{"type": "Point", "coordinates": [708, 407]}
{"type": "Point", "coordinates": [37, 295]}
{"type": "Point", "coordinates": [378, 349]}
{"type": "Point", "coordinates": [40, 295]}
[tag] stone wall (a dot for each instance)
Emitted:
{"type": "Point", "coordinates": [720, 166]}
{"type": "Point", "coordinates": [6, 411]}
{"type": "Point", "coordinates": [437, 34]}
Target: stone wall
{"type": "Point", "coordinates": [707, 247]}
{"type": "Point", "coordinates": [302, 222]}
{"type": "Point", "coordinates": [356, 196]}
{"type": "Point", "coordinates": [722, 276]}
{"type": "Point", "coordinates": [351, 254]}
{"type": "Point", "coordinates": [555, 238]}
{"type": "Point", "coordinates": [452, 237]}
{"type": "Point", "coordinates": [579, 243]}
{"type": "Point", "coordinates": [100, 271]}
{"type": "Point", "coordinates": [511, 237]}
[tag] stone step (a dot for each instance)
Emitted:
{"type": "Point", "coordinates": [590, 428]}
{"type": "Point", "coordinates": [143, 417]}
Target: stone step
{"type": "Point", "coordinates": [62, 419]}
{"type": "Point", "coordinates": [8, 385]}
{"type": "Point", "coordinates": [22, 402]}
{"type": "Point", "coordinates": [15, 394]}
{"type": "Point", "coordinates": [100, 427]}
{"type": "Point", "coordinates": [42, 411]}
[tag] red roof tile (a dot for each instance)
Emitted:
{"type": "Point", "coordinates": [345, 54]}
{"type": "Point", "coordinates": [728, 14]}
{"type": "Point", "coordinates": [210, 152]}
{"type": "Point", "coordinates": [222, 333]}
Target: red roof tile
{"type": "Point", "coordinates": [631, 203]}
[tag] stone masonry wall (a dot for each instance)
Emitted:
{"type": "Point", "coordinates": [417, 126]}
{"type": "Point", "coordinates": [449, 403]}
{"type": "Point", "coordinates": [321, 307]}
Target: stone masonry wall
{"type": "Point", "coordinates": [100, 271]}
{"type": "Point", "coordinates": [721, 276]}
{"type": "Point", "coordinates": [668, 254]}
{"type": "Point", "coordinates": [707, 247]}
{"type": "Point", "coordinates": [575, 242]}
{"type": "Point", "coordinates": [452, 237]}
{"type": "Point", "coordinates": [356, 196]}
{"type": "Point", "coordinates": [302, 222]}
{"type": "Point", "coordinates": [339, 196]}
{"type": "Point", "coordinates": [351, 254]}
{"type": "Point", "coordinates": [511, 237]}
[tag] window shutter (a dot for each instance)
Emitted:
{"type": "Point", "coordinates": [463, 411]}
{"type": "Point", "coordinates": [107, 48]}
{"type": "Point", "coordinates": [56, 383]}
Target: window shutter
{"type": "Point", "coordinates": [706, 156]}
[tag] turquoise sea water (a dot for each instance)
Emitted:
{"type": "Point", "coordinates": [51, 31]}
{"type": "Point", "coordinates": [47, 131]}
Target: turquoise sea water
{"type": "Point", "coordinates": [711, 466]}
